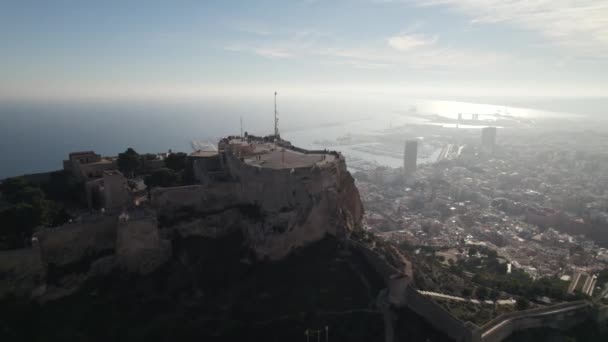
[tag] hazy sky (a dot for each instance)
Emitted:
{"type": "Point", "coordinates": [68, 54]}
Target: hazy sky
{"type": "Point", "coordinates": [158, 49]}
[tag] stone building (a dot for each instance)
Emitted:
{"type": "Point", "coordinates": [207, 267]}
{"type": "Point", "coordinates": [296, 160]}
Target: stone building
{"type": "Point", "coordinates": [110, 192]}
{"type": "Point", "coordinates": [86, 165]}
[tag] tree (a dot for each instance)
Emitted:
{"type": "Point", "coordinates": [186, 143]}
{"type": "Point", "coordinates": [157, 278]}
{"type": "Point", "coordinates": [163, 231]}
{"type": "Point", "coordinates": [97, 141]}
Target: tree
{"type": "Point", "coordinates": [129, 161]}
{"type": "Point", "coordinates": [18, 223]}
{"type": "Point", "coordinates": [163, 178]}
{"type": "Point", "coordinates": [522, 304]}
{"type": "Point", "coordinates": [29, 209]}
{"type": "Point", "coordinates": [176, 161]}
{"type": "Point", "coordinates": [494, 295]}
{"type": "Point", "coordinates": [482, 293]}
{"type": "Point", "coordinates": [12, 189]}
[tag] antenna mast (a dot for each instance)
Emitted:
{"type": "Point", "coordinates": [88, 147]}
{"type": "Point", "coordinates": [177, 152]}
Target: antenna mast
{"type": "Point", "coordinates": [241, 126]}
{"type": "Point", "coordinates": [276, 117]}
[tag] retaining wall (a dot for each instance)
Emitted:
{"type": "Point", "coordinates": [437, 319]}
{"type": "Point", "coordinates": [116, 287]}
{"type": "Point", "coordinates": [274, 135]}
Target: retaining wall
{"type": "Point", "coordinates": [441, 319]}
{"type": "Point", "coordinates": [559, 316]}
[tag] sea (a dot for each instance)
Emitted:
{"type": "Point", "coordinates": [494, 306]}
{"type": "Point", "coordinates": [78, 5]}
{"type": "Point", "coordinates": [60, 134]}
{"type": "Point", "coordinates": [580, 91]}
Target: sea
{"type": "Point", "coordinates": [35, 136]}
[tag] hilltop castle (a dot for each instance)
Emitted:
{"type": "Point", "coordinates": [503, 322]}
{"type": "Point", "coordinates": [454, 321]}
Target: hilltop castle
{"type": "Point", "coordinates": [281, 197]}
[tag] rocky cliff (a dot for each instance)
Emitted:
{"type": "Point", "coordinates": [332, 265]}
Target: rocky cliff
{"type": "Point", "coordinates": [279, 210]}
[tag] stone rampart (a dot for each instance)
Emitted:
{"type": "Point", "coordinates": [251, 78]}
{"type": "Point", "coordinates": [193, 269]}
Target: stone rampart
{"type": "Point", "coordinates": [396, 281]}
{"type": "Point", "coordinates": [276, 189]}
{"type": "Point", "coordinates": [22, 272]}
{"type": "Point", "coordinates": [73, 241]}
{"type": "Point", "coordinates": [62, 258]}
{"type": "Point", "coordinates": [170, 199]}
{"type": "Point", "coordinates": [559, 316]}
{"type": "Point", "coordinates": [441, 319]}
{"type": "Point", "coordinates": [139, 247]}
{"type": "Point", "coordinates": [212, 226]}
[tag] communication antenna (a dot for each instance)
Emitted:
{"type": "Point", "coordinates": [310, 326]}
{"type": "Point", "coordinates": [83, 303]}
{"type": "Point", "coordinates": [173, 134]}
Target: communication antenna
{"type": "Point", "coordinates": [276, 117]}
{"type": "Point", "coordinates": [241, 126]}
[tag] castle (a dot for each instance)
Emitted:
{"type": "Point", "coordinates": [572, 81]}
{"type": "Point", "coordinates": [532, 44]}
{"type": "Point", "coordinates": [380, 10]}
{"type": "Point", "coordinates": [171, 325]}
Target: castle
{"type": "Point", "coordinates": [295, 196]}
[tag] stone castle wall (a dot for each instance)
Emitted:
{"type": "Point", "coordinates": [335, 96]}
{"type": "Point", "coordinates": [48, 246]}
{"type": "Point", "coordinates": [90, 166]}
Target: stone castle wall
{"type": "Point", "coordinates": [559, 316]}
{"type": "Point", "coordinates": [275, 189]}
{"type": "Point", "coordinates": [139, 247]}
{"type": "Point", "coordinates": [73, 241]}
{"type": "Point", "coordinates": [68, 255]}
{"type": "Point", "coordinates": [22, 272]}
{"type": "Point", "coordinates": [170, 199]}
{"type": "Point", "coordinates": [441, 319]}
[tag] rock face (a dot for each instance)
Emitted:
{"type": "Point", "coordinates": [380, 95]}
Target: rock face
{"type": "Point", "coordinates": [279, 210]}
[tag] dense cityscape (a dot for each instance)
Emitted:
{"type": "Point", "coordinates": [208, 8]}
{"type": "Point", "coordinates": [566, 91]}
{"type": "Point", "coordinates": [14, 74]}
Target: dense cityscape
{"type": "Point", "coordinates": [536, 203]}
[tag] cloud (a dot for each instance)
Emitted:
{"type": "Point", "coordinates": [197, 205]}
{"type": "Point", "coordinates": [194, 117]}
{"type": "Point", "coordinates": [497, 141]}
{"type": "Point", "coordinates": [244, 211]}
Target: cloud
{"type": "Point", "coordinates": [406, 42]}
{"type": "Point", "coordinates": [254, 29]}
{"type": "Point", "coordinates": [410, 50]}
{"type": "Point", "coordinates": [272, 53]}
{"type": "Point", "coordinates": [578, 26]}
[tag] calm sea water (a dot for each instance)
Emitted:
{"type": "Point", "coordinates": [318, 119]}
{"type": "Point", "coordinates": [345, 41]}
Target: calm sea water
{"type": "Point", "coordinates": [36, 137]}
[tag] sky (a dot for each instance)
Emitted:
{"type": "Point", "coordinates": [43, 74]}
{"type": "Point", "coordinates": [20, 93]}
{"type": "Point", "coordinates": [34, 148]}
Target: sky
{"type": "Point", "coordinates": [78, 49]}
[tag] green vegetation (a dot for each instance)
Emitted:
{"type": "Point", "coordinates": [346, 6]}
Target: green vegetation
{"type": "Point", "coordinates": [492, 277]}
{"type": "Point", "coordinates": [28, 208]}
{"type": "Point", "coordinates": [476, 313]}
{"type": "Point", "coordinates": [176, 161]}
{"type": "Point", "coordinates": [128, 162]}
{"type": "Point", "coordinates": [519, 283]}
{"type": "Point", "coordinates": [522, 304]}
{"type": "Point", "coordinates": [602, 277]}
{"type": "Point", "coordinates": [163, 177]}
{"type": "Point", "coordinates": [176, 172]}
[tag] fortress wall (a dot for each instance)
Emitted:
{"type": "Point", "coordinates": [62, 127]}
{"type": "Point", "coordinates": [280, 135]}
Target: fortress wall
{"type": "Point", "coordinates": [139, 247]}
{"type": "Point", "coordinates": [382, 267]}
{"type": "Point", "coordinates": [503, 326]}
{"type": "Point", "coordinates": [275, 189]}
{"type": "Point", "coordinates": [168, 199]}
{"type": "Point", "coordinates": [73, 241]}
{"type": "Point", "coordinates": [21, 271]}
{"type": "Point", "coordinates": [217, 196]}
{"type": "Point", "coordinates": [441, 319]}
{"type": "Point", "coordinates": [396, 281]}
{"type": "Point", "coordinates": [212, 226]}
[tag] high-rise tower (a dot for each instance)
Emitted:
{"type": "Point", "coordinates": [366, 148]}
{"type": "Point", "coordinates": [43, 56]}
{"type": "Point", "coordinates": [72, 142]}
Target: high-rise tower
{"type": "Point", "coordinates": [488, 138]}
{"type": "Point", "coordinates": [276, 117]}
{"type": "Point", "coordinates": [410, 156]}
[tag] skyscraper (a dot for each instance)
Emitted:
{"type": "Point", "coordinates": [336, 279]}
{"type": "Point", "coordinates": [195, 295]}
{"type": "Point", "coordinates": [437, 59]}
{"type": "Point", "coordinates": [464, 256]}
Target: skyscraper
{"type": "Point", "coordinates": [410, 156]}
{"type": "Point", "coordinates": [488, 138]}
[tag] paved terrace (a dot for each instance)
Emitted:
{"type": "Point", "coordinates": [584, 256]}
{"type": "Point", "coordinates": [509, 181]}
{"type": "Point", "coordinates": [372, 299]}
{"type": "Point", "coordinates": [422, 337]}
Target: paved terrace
{"type": "Point", "coordinates": [270, 155]}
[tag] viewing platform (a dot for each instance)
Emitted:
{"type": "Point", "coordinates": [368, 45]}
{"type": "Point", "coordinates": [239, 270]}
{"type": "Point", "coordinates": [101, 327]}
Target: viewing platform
{"type": "Point", "coordinates": [277, 154]}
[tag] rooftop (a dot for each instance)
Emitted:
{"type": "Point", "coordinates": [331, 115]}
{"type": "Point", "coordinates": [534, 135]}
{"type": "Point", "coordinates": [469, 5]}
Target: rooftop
{"type": "Point", "coordinates": [272, 155]}
{"type": "Point", "coordinates": [203, 154]}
